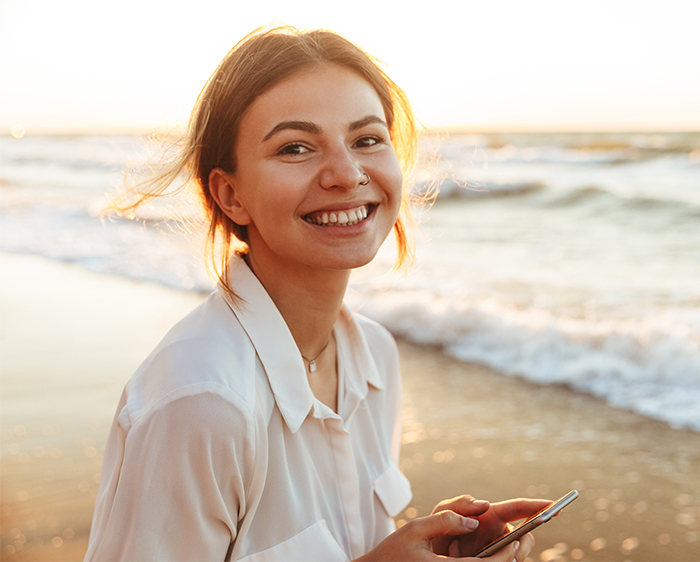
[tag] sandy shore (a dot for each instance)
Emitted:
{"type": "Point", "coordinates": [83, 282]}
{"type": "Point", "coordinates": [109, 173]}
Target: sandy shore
{"type": "Point", "coordinates": [468, 429]}
{"type": "Point", "coordinates": [70, 339]}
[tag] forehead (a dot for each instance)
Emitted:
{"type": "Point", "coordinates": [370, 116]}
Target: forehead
{"type": "Point", "coordinates": [328, 95]}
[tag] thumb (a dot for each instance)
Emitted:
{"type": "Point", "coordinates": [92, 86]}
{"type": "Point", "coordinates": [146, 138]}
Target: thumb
{"type": "Point", "coordinates": [444, 523]}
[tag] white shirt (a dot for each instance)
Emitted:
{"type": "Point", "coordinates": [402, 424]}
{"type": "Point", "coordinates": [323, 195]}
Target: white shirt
{"type": "Point", "coordinates": [219, 448]}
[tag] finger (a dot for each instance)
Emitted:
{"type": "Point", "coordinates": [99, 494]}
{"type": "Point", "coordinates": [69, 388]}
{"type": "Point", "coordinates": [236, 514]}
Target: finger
{"type": "Point", "coordinates": [445, 523]}
{"type": "Point", "coordinates": [453, 550]}
{"type": "Point", "coordinates": [521, 508]}
{"type": "Point", "coordinates": [506, 554]}
{"type": "Point", "coordinates": [527, 543]}
{"type": "Point", "coordinates": [464, 505]}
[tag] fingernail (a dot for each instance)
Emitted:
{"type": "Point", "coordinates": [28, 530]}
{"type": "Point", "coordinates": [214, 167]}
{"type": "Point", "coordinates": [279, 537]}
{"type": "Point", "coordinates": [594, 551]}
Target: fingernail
{"type": "Point", "coordinates": [470, 524]}
{"type": "Point", "coordinates": [516, 546]}
{"type": "Point", "coordinates": [479, 503]}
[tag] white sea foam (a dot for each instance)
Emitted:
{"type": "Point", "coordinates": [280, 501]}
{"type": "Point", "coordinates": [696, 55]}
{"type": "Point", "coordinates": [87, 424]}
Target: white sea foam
{"type": "Point", "coordinates": [652, 366]}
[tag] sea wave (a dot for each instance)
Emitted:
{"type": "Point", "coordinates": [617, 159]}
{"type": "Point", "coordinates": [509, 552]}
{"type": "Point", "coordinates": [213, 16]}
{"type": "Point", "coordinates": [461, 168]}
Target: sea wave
{"type": "Point", "coordinates": [453, 187]}
{"type": "Point", "coordinates": [672, 209]}
{"type": "Point", "coordinates": [682, 204]}
{"type": "Point", "coordinates": [151, 251]}
{"type": "Point", "coordinates": [650, 366]}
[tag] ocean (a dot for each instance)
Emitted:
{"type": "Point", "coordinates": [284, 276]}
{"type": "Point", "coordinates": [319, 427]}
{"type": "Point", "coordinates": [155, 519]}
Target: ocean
{"type": "Point", "coordinates": [569, 259]}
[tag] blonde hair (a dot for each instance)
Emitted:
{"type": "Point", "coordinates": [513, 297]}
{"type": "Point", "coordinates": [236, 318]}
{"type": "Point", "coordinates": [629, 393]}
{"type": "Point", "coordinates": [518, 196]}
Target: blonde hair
{"type": "Point", "coordinates": [253, 66]}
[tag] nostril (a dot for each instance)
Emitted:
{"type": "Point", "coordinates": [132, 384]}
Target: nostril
{"type": "Point", "coordinates": [342, 172]}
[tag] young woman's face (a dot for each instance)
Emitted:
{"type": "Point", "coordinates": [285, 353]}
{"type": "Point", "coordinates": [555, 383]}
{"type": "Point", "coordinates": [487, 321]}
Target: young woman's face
{"type": "Point", "coordinates": [302, 153]}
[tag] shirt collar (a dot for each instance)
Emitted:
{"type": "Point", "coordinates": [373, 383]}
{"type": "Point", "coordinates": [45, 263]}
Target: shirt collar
{"type": "Point", "coordinates": [281, 357]}
{"type": "Point", "coordinates": [273, 343]}
{"type": "Point", "coordinates": [356, 353]}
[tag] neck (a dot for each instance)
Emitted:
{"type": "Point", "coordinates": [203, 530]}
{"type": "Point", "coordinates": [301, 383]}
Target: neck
{"type": "Point", "coordinates": [309, 299]}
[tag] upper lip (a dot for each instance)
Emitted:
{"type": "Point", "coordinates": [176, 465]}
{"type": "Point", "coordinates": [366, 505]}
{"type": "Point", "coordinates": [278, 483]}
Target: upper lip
{"type": "Point", "coordinates": [340, 206]}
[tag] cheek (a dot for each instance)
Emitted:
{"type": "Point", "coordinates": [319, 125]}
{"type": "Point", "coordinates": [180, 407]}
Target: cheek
{"type": "Point", "coordinates": [394, 185]}
{"type": "Point", "coordinates": [273, 193]}
{"type": "Point", "coordinates": [277, 197]}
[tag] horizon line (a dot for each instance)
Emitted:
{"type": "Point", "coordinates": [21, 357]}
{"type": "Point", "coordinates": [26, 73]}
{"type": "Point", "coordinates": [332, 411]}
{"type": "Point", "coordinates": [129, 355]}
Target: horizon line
{"type": "Point", "coordinates": [450, 130]}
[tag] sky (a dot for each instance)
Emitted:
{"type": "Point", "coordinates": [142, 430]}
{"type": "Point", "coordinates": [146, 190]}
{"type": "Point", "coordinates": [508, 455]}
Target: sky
{"type": "Point", "coordinates": [613, 65]}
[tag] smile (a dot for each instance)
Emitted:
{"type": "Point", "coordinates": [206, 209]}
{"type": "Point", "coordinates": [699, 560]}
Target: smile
{"type": "Point", "coordinates": [347, 217]}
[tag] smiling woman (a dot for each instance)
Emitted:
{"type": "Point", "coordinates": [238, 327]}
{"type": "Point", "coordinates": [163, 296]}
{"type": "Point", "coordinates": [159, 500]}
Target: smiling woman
{"type": "Point", "coordinates": [266, 424]}
{"type": "Point", "coordinates": [252, 68]}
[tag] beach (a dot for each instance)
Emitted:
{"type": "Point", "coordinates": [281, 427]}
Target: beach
{"type": "Point", "coordinates": [70, 339]}
{"type": "Point", "coordinates": [469, 429]}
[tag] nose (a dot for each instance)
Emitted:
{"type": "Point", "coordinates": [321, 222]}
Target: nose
{"type": "Point", "coordinates": [340, 170]}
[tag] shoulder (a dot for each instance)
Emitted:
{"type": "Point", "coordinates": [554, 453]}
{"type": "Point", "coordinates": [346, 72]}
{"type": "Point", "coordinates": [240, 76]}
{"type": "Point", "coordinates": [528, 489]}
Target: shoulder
{"type": "Point", "coordinates": [207, 352]}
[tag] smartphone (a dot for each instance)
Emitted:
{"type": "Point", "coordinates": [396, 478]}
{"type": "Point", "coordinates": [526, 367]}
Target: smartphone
{"type": "Point", "coordinates": [528, 525]}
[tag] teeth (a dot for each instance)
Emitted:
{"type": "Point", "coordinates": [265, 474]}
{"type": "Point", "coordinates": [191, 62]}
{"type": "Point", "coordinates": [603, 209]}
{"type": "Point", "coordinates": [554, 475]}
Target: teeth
{"type": "Point", "coordinates": [340, 218]}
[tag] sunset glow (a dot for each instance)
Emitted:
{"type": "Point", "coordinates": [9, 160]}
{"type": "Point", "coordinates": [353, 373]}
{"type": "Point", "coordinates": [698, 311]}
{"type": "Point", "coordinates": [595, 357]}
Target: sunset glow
{"type": "Point", "coordinates": [67, 66]}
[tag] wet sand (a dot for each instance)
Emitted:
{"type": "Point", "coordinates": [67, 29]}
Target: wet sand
{"type": "Point", "coordinates": [470, 430]}
{"type": "Point", "coordinates": [69, 340]}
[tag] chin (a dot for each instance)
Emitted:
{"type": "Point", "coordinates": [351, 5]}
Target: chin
{"type": "Point", "coordinates": [343, 263]}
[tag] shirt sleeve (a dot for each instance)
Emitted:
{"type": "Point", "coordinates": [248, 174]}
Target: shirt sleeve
{"type": "Point", "coordinates": [174, 482]}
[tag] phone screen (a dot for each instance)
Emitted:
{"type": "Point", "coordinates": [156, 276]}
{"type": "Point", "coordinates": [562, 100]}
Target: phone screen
{"type": "Point", "coordinates": [526, 526]}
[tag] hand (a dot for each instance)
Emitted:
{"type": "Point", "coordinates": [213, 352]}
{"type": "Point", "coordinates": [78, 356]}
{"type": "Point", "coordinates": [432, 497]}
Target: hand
{"type": "Point", "coordinates": [464, 505]}
{"type": "Point", "coordinates": [493, 522]}
{"type": "Point", "coordinates": [412, 541]}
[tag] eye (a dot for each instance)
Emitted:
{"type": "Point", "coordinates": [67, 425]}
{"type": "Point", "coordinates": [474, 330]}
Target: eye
{"type": "Point", "coordinates": [368, 141]}
{"type": "Point", "coordinates": [292, 149]}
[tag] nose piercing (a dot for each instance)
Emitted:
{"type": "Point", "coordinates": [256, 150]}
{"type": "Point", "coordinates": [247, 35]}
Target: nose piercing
{"type": "Point", "coordinates": [366, 178]}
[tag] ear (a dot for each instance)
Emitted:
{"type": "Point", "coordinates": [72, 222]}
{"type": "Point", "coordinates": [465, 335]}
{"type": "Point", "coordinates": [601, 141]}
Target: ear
{"type": "Point", "coordinates": [222, 187]}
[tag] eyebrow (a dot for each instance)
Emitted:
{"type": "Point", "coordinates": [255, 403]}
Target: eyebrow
{"type": "Point", "coordinates": [296, 125]}
{"type": "Point", "coordinates": [369, 120]}
{"type": "Point", "coordinates": [314, 129]}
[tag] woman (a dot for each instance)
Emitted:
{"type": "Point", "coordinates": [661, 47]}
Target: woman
{"type": "Point", "coordinates": [266, 425]}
